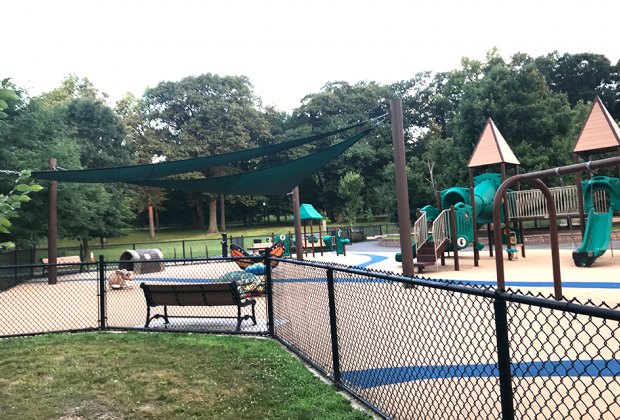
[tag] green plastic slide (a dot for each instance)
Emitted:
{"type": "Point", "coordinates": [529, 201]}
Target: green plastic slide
{"type": "Point", "coordinates": [595, 239]}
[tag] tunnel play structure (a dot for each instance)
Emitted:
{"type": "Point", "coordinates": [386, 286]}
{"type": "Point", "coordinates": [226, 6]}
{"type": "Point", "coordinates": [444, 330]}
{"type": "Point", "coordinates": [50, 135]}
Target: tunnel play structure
{"type": "Point", "coordinates": [459, 233]}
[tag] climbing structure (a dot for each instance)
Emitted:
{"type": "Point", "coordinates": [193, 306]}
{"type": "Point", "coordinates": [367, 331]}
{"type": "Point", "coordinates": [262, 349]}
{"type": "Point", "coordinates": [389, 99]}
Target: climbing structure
{"type": "Point", "coordinates": [453, 225]}
{"type": "Point", "coordinates": [435, 233]}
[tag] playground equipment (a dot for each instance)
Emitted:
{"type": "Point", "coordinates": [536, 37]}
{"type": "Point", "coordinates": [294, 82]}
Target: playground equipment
{"type": "Point", "coordinates": [602, 199]}
{"type": "Point", "coordinates": [311, 241]}
{"type": "Point", "coordinates": [252, 266]}
{"type": "Point", "coordinates": [433, 234]}
{"type": "Point", "coordinates": [141, 261]}
{"type": "Point", "coordinates": [599, 197]}
{"type": "Point", "coordinates": [341, 241]}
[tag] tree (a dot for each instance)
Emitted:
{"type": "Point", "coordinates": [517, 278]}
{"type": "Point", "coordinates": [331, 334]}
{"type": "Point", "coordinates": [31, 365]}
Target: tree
{"type": "Point", "coordinates": [350, 189]}
{"type": "Point", "coordinates": [338, 105]}
{"type": "Point", "coordinates": [76, 131]}
{"type": "Point", "coordinates": [10, 204]}
{"type": "Point", "coordinates": [8, 96]}
{"type": "Point", "coordinates": [100, 132]}
{"type": "Point", "coordinates": [205, 115]}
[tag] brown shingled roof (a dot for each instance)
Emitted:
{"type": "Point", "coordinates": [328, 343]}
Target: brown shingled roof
{"type": "Point", "coordinates": [491, 148]}
{"type": "Point", "coordinates": [599, 132]}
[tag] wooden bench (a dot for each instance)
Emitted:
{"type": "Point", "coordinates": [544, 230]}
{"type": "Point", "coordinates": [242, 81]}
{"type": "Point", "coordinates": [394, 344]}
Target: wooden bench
{"type": "Point", "coordinates": [203, 294]}
{"type": "Point", "coordinates": [65, 263]}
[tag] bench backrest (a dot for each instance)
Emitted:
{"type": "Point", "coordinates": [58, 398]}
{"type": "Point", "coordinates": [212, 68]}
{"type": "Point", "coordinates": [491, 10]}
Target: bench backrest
{"type": "Point", "coordinates": [203, 294]}
{"type": "Point", "coordinates": [74, 259]}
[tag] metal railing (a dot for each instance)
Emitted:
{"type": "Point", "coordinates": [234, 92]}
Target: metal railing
{"type": "Point", "coordinates": [441, 231]}
{"type": "Point", "coordinates": [420, 231]}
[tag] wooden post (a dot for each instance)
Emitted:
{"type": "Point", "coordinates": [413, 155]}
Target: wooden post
{"type": "Point", "coordinates": [321, 236]}
{"type": "Point", "coordinates": [490, 239]}
{"type": "Point", "coordinates": [312, 236]}
{"type": "Point", "coordinates": [150, 211]}
{"type": "Point", "coordinates": [521, 232]}
{"type": "Point", "coordinates": [299, 247]}
{"type": "Point", "coordinates": [473, 215]}
{"type": "Point", "coordinates": [506, 210]}
{"type": "Point", "coordinates": [454, 238]}
{"type": "Point", "coordinates": [222, 214]}
{"type": "Point", "coordinates": [52, 229]}
{"type": "Point", "coordinates": [402, 193]}
{"type": "Point", "coordinates": [582, 216]}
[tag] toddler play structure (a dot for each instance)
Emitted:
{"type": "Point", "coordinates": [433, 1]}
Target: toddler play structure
{"type": "Point", "coordinates": [453, 224]}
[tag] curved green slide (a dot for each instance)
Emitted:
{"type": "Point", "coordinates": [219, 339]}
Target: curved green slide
{"type": "Point", "coordinates": [595, 238]}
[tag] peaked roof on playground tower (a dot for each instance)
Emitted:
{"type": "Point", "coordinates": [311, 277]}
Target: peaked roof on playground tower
{"type": "Point", "coordinates": [491, 148]}
{"type": "Point", "coordinates": [599, 132]}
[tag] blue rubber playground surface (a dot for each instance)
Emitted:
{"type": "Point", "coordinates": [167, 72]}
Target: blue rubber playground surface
{"type": "Point", "coordinates": [369, 378]}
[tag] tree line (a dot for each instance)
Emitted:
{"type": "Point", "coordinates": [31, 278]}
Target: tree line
{"type": "Point", "coordinates": [538, 103]}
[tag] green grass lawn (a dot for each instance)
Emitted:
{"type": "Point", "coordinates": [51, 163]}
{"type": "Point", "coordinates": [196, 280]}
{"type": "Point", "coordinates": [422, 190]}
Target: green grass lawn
{"type": "Point", "coordinates": [160, 376]}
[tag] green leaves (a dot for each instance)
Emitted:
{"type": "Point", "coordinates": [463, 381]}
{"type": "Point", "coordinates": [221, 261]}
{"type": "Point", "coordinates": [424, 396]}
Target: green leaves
{"type": "Point", "coordinates": [10, 203]}
{"type": "Point", "coordinates": [350, 189]}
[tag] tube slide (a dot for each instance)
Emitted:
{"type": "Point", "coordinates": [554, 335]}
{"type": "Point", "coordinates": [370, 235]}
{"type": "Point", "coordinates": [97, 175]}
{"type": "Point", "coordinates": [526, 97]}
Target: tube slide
{"type": "Point", "coordinates": [595, 239]}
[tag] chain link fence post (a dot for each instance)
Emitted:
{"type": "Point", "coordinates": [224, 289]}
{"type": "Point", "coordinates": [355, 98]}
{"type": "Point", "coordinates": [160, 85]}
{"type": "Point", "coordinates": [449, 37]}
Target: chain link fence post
{"type": "Point", "coordinates": [269, 295]}
{"type": "Point", "coordinates": [225, 244]}
{"type": "Point", "coordinates": [102, 308]}
{"type": "Point", "coordinates": [503, 359]}
{"type": "Point", "coordinates": [331, 295]}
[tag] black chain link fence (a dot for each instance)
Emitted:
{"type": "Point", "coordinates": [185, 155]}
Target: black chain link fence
{"type": "Point", "coordinates": [407, 348]}
{"type": "Point", "coordinates": [83, 298]}
{"type": "Point", "coordinates": [421, 349]}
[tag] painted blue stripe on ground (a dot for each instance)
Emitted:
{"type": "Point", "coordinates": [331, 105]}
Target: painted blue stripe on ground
{"type": "Point", "coordinates": [373, 260]}
{"type": "Point", "coordinates": [387, 376]}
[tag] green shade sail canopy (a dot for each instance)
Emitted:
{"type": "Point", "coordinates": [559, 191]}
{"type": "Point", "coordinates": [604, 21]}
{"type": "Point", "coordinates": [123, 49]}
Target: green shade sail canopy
{"type": "Point", "coordinates": [275, 180]}
{"type": "Point", "coordinates": [308, 212]}
{"type": "Point", "coordinates": [163, 169]}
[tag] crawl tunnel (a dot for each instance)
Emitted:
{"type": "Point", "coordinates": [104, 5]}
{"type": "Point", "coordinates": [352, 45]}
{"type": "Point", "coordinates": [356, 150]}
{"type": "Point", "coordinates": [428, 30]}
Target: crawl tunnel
{"type": "Point", "coordinates": [485, 186]}
{"type": "Point", "coordinates": [140, 261]}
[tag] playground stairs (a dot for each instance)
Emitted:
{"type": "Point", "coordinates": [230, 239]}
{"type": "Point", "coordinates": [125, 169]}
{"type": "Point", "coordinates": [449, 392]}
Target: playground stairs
{"type": "Point", "coordinates": [426, 255]}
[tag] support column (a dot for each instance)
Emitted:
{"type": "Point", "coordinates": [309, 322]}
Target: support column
{"type": "Point", "coordinates": [149, 204]}
{"type": "Point", "coordinates": [453, 237]}
{"type": "Point", "coordinates": [299, 247]}
{"type": "Point", "coordinates": [582, 216]}
{"type": "Point", "coordinates": [472, 199]}
{"type": "Point", "coordinates": [402, 192]}
{"type": "Point", "coordinates": [520, 223]}
{"type": "Point", "coordinates": [52, 228]}
{"type": "Point", "coordinates": [222, 214]}
{"type": "Point", "coordinates": [506, 210]}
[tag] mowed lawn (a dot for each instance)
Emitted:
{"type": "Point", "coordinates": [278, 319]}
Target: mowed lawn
{"type": "Point", "coordinates": [160, 376]}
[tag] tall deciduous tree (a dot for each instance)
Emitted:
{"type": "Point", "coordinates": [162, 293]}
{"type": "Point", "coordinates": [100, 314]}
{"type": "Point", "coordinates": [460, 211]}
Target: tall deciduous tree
{"type": "Point", "coordinates": [205, 115]}
{"type": "Point", "coordinates": [350, 189]}
{"type": "Point", "coordinates": [339, 104]}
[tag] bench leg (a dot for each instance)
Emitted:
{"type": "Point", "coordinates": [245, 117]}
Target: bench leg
{"type": "Point", "coordinates": [166, 314]}
{"type": "Point", "coordinates": [148, 317]}
{"type": "Point", "coordinates": [238, 318]}
{"type": "Point", "coordinates": [253, 313]}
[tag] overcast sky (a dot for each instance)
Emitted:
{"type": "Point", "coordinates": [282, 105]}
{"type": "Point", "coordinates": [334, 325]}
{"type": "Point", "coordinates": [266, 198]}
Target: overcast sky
{"type": "Point", "coordinates": [287, 48]}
